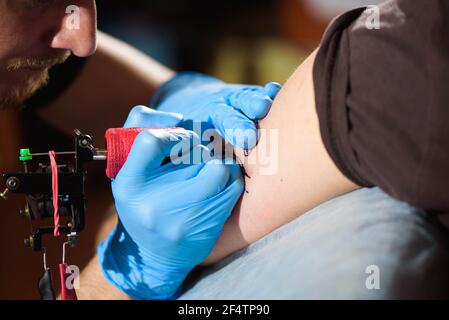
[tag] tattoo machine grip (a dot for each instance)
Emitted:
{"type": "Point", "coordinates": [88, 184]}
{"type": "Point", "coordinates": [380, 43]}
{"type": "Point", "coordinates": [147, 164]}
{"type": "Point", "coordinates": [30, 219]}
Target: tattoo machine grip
{"type": "Point", "coordinates": [118, 143]}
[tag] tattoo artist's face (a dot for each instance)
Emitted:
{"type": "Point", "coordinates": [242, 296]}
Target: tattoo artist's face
{"type": "Point", "coordinates": [36, 35]}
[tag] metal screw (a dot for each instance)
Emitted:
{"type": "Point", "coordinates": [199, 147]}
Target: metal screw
{"type": "Point", "coordinates": [72, 239]}
{"type": "Point", "coordinates": [24, 212]}
{"type": "Point", "coordinates": [84, 143]}
{"type": "Point", "coordinates": [3, 194]}
{"type": "Point", "coordinates": [13, 183]}
{"type": "Point", "coordinates": [28, 241]}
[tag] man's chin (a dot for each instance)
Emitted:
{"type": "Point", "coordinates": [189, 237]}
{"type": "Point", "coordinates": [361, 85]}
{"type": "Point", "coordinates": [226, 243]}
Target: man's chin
{"type": "Point", "coordinates": [25, 88]}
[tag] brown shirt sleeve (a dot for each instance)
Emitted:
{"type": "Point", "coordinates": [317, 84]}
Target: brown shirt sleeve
{"type": "Point", "coordinates": [382, 98]}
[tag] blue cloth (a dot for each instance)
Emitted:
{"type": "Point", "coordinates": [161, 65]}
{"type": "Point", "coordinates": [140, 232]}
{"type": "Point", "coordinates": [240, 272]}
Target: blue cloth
{"type": "Point", "coordinates": [324, 254]}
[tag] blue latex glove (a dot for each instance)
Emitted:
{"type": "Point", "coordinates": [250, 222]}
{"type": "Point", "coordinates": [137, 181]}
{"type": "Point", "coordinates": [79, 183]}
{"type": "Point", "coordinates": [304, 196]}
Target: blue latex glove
{"type": "Point", "coordinates": [170, 216]}
{"type": "Point", "coordinates": [225, 107]}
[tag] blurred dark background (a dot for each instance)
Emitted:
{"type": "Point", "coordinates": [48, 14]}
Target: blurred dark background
{"type": "Point", "coordinates": [250, 41]}
{"type": "Point", "coordinates": [231, 39]}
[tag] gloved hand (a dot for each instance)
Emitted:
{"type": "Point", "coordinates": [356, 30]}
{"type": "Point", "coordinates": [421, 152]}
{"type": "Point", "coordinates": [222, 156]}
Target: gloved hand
{"type": "Point", "coordinates": [225, 107]}
{"type": "Point", "coordinates": [170, 216]}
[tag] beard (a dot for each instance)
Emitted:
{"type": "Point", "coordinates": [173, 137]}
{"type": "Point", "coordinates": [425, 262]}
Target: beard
{"type": "Point", "coordinates": [15, 96]}
{"type": "Point", "coordinates": [30, 82]}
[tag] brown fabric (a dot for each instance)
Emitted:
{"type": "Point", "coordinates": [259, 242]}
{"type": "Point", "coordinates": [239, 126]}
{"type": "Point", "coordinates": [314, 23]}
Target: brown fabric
{"type": "Point", "coordinates": [383, 99]}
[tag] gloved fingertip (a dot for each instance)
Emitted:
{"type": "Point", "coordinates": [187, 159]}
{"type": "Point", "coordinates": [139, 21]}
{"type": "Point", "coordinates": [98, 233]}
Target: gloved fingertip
{"type": "Point", "coordinates": [272, 89]}
{"type": "Point", "coordinates": [142, 151]}
{"type": "Point", "coordinates": [243, 139]}
{"type": "Point", "coordinates": [135, 116]}
{"type": "Point", "coordinates": [141, 116]}
{"type": "Point", "coordinates": [152, 146]}
{"type": "Point", "coordinates": [238, 185]}
{"type": "Point", "coordinates": [235, 171]}
{"type": "Point", "coordinates": [260, 106]}
{"type": "Point", "coordinates": [254, 104]}
{"type": "Point", "coordinates": [145, 143]}
{"type": "Point", "coordinates": [215, 175]}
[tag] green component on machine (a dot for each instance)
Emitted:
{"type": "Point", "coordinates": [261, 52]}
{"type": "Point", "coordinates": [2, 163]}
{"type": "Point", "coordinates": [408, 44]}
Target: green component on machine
{"type": "Point", "coordinates": [25, 155]}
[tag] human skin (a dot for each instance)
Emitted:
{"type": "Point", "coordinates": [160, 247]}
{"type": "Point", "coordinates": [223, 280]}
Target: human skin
{"type": "Point", "coordinates": [114, 79]}
{"type": "Point", "coordinates": [306, 175]}
{"type": "Point", "coordinates": [99, 88]}
{"type": "Point", "coordinates": [21, 39]}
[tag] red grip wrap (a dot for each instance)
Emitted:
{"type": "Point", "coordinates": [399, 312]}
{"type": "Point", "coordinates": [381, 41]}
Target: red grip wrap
{"type": "Point", "coordinates": [66, 293]}
{"type": "Point", "coordinates": [118, 143]}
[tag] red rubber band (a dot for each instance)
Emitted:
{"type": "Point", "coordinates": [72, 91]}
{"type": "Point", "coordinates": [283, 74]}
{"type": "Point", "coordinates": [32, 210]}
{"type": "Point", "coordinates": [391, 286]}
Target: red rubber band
{"type": "Point", "coordinates": [54, 181]}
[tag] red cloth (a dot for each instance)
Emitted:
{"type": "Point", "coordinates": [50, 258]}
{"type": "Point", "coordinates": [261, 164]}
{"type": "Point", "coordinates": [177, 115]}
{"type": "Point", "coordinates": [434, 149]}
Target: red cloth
{"type": "Point", "coordinates": [119, 142]}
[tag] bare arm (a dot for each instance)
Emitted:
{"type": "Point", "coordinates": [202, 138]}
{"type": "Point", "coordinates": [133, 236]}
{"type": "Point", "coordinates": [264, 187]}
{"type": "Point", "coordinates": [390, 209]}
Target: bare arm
{"type": "Point", "coordinates": [303, 177]}
{"type": "Point", "coordinates": [115, 78]}
{"type": "Point", "coordinates": [93, 285]}
{"type": "Point", "coordinates": [304, 174]}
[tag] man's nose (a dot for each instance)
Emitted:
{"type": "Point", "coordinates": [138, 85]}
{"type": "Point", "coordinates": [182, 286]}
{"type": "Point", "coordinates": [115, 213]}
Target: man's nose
{"type": "Point", "coordinates": [78, 30]}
